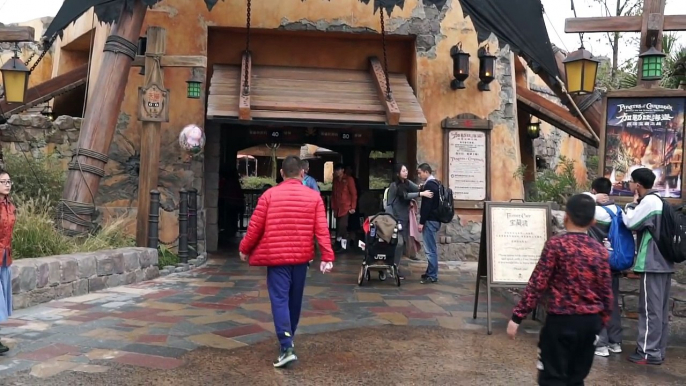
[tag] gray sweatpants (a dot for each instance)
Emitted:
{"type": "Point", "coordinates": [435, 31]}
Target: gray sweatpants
{"type": "Point", "coordinates": [653, 314]}
{"type": "Point", "coordinates": [612, 333]}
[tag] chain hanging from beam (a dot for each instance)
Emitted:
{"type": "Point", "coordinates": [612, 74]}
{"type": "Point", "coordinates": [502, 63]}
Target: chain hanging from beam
{"type": "Point", "coordinates": [246, 81]}
{"type": "Point", "coordinates": [389, 94]}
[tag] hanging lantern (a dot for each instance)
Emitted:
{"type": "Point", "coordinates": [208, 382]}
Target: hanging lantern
{"type": "Point", "coordinates": [581, 69]}
{"type": "Point", "coordinates": [486, 69]}
{"type": "Point", "coordinates": [15, 79]}
{"type": "Point", "coordinates": [533, 129]}
{"type": "Point", "coordinates": [651, 68]}
{"type": "Point", "coordinates": [47, 113]}
{"type": "Point", "coordinates": [194, 85]}
{"type": "Point", "coordinates": [460, 66]}
{"type": "Point", "coordinates": [192, 139]}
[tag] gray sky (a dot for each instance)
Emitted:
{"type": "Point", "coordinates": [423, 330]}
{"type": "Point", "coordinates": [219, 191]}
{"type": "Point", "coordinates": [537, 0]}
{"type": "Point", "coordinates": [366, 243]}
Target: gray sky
{"type": "Point", "coordinates": [13, 11]}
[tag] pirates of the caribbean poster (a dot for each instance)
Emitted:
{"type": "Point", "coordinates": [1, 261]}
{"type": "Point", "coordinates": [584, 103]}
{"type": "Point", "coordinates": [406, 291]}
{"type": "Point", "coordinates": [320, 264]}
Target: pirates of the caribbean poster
{"type": "Point", "coordinates": [645, 132]}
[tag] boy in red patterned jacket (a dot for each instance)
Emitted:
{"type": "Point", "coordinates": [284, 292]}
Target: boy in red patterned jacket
{"type": "Point", "coordinates": [574, 272]}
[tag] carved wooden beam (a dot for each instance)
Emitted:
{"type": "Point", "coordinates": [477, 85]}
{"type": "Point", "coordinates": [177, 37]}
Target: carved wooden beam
{"type": "Point", "coordinates": [244, 97]}
{"type": "Point", "coordinates": [175, 61]}
{"type": "Point", "coordinates": [17, 34]}
{"type": "Point", "coordinates": [389, 104]}
{"type": "Point", "coordinates": [620, 24]}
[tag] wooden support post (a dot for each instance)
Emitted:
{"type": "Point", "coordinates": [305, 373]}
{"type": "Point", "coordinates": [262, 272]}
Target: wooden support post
{"type": "Point", "coordinates": [391, 107]}
{"type": "Point", "coordinates": [152, 118]}
{"type": "Point", "coordinates": [244, 98]}
{"type": "Point", "coordinates": [650, 36]}
{"type": "Point", "coordinates": [102, 113]}
{"type": "Point", "coordinates": [17, 34]}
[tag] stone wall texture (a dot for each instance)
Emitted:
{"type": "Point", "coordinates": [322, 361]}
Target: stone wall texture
{"type": "Point", "coordinates": [37, 136]}
{"type": "Point", "coordinates": [43, 279]}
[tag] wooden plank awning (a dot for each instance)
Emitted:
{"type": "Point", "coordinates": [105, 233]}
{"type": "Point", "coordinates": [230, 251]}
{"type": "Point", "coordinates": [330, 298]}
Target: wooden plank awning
{"type": "Point", "coordinates": [311, 96]}
{"type": "Point", "coordinates": [48, 90]}
{"type": "Point", "coordinates": [558, 116]}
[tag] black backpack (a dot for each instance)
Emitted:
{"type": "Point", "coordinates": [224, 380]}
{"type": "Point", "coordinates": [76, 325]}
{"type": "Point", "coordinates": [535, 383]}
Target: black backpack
{"type": "Point", "coordinates": [672, 239]}
{"type": "Point", "coordinates": [445, 211]}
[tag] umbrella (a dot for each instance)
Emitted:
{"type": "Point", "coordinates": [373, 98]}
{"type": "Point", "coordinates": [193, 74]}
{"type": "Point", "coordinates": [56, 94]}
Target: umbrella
{"type": "Point", "coordinates": [108, 10]}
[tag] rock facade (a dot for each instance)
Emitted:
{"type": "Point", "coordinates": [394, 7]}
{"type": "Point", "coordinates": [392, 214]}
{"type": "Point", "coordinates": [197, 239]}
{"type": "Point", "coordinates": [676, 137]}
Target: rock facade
{"type": "Point", "coordinates": [43, 279]}
{"type": "Point", "coordinates": [37, 136]}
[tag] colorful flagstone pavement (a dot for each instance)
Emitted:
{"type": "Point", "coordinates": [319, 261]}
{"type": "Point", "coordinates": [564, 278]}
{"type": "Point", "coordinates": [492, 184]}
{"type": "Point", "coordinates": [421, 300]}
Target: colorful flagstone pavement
{"type": "Point", "coordinates": [224, 305]}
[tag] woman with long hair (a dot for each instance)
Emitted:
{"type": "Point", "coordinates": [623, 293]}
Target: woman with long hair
{"type": "Point", "coordinates": [400, 195]}
{"type": "Point", "coordinates": [7, 219]}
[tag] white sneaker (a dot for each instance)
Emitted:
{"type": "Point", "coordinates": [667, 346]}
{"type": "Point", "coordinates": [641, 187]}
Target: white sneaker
{"type": "Point", "coordinates": [615, 348]}
{"type": "Point", "coordinates": [602, 352]}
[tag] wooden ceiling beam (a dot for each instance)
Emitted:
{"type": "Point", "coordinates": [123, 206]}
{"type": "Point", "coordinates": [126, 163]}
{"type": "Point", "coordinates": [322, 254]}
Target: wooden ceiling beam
{"type": "Point", "coordinates": [390, 105]}
{"type": "Point", "coordinates": [244, 93]}
{"type": "Point", "coordinates": [620, 24]}
{"type": "Point", "coordinates": [174, 61]}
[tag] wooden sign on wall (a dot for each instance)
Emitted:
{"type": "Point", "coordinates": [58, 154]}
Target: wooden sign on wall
{"type": "Point", "coordinates": [466, 159]}
{"type": "Point", "coordinates": [153, 104]}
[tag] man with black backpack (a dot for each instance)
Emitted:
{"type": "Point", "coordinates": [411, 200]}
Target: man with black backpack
{"type": "Point", "coordinates": [645, 216]}
{"type": "Point", "coordinates": [609, 230]}
{"type": "Point", "coordinates": [429, 223]}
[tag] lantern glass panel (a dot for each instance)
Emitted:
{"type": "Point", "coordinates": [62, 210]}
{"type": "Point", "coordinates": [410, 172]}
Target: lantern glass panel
{"type": "Point", "coordinates": [652, 67]}
{"type": "Point", "coordinates": [590, 72]}
{"type": "Point", "coordinates": [15, 83]}
{"type": "Point", "coordinates": [193, 90]}
{"type": "Point", "coordinates": [574, 71]}
{"type": "Point", "coordinates": [486, 66]}
{"type": "Point", "coordinates": [461, 66]}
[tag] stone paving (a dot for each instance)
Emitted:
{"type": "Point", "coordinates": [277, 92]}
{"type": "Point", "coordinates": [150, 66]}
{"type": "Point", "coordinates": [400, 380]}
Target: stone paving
{"type": "Point", "coordinates": [213, 324]}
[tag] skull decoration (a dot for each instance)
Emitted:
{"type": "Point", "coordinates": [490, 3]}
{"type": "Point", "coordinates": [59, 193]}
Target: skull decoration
{"type": "Point", "coordinates": [192, 139]}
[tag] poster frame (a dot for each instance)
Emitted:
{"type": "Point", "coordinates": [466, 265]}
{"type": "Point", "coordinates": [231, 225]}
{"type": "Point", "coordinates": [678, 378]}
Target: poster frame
{"type": "Point", "coordinates": [466, 122]}
{"type": "Point", "coordinates": [639, 93]}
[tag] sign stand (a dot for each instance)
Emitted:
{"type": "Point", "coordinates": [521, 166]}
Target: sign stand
{"type": "Point", "coordinates": [524, 217]}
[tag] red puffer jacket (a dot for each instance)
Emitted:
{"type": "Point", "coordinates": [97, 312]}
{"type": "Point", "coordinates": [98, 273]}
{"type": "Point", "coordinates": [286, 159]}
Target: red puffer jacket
{"type": "Point", "coordinates": [283, 226]}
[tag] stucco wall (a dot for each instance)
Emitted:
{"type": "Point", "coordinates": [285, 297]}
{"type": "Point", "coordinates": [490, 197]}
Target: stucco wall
{"type": "Point", "coordinates": [429, 71]}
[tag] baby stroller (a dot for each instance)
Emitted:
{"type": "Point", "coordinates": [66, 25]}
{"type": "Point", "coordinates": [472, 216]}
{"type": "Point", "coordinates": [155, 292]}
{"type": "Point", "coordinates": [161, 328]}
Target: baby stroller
{"type": "Point", "coordinates": [381, 240]}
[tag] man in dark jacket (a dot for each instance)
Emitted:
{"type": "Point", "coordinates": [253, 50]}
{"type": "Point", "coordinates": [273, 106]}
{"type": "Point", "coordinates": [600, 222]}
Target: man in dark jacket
{"type": "Point", "coordinates": [428, 222]}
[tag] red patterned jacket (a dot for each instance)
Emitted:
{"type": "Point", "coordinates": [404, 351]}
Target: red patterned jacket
{"type": "Point", "coordinates": [8, 216]}
{"type": "Point", "coordinates": [574, 272]}
{"type": "Point", "coordinates": [284, 224]}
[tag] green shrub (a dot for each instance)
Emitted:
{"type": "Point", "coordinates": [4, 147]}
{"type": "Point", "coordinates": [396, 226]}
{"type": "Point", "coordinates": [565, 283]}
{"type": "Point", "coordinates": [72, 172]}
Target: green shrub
{"type": "Point", "coordinates": [167, 256]}
{"type": "Point", "coordinates": [376, 183]}
{"type": "Point", "coordinates": [256, 182]}
{"type": "Point", "coordinates": [36, 177]}
{"type": "Point", "coordinates": [35, 234]}
{"type": "Point", "coordinates": [325, 186]}
{"type": "Point", "coordinates": [554, 186]}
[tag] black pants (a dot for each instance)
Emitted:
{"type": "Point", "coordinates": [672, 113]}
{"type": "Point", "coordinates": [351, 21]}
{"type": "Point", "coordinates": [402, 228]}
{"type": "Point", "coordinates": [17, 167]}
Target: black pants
{"type": "Point", "coordinates": [567, 349]}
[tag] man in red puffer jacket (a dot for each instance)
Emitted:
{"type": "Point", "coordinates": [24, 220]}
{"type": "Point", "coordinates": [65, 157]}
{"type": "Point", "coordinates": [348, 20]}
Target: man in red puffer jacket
{"type": "Point", "coordinates": [279, 237]}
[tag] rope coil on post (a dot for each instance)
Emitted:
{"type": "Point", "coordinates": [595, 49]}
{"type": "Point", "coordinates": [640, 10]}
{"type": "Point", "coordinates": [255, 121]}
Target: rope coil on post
{"type": "Point", "coordinates": [120, 45]}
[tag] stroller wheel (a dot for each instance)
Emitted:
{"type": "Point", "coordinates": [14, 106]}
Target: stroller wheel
{"type": "Point", "coordinates": [382, 275]}
{"type": "Point", "coordinates": [362, 275]}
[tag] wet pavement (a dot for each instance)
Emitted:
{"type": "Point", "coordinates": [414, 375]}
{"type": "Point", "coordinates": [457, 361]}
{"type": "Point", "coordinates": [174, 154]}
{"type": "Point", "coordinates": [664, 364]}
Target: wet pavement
{"type": "Point", "coordinates": [212, 326]}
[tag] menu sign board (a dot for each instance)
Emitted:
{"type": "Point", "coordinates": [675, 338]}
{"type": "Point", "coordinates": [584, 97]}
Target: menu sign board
{"type": "Point", "coordinates": [517, 237]}
{"type": "Point", "coordinates": [512, 238]}
{"type": "Point", "coordinates": [467, 164]}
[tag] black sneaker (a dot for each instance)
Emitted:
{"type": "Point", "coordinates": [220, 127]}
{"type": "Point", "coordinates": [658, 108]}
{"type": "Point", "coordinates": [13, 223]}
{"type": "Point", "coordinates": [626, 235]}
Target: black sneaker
{"type": "Point", "coordinates": [424, 276]}
{"type": "Point", "coordinates": [428, 280]}
{"type": "Point", "coordinates": [287, 356]}
{"type": "Point", "coordinates": [642, 360]}
{"type": "Point", "coordinates": [3, 348]}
